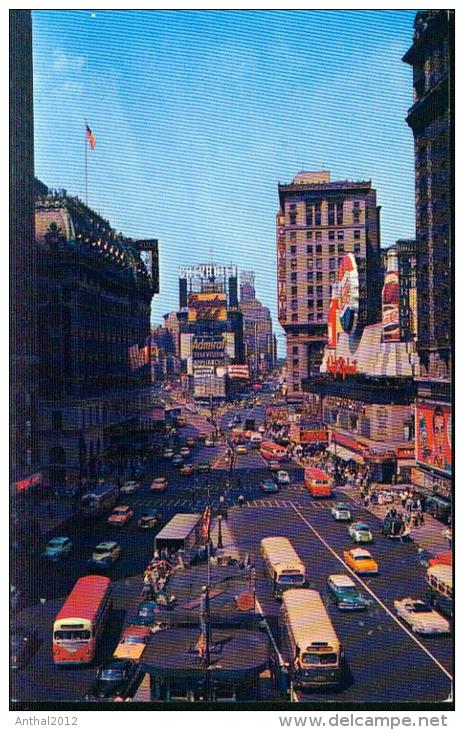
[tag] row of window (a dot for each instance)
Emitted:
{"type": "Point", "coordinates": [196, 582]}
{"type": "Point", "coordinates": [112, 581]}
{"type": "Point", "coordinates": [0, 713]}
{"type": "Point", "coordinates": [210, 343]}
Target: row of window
{"type": "Point", "coordinates": [314, 217]}
{"type": "Point", "coordinates": [332, 235]}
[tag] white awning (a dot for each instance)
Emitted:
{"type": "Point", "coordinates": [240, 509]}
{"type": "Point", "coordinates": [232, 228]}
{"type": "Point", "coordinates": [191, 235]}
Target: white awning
{"type": "Point", "coordinates": [344, 454]}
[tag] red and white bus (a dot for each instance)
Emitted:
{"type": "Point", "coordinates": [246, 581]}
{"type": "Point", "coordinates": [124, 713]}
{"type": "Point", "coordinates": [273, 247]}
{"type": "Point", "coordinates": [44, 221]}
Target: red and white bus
{"type": "Point", "coordinates": [81, 620]}
{"type": "Point", "coordinates": [317, 482]}
{"type": "Point", "coordinates": [273, 452]}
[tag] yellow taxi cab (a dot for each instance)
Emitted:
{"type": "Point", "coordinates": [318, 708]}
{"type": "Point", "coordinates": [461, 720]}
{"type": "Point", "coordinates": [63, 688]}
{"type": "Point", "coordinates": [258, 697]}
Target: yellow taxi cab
{"type": "Point", "coordinates": [360, 561]}
{"type": "Point", "coordinates": [159, 484]}
{"type": "Point", "coordinates": [132, 643]}
{"type": "Point", "coordinates": [120, 515]}
{"type": "Point", "coordinates": [241, 449]}
{"type": "Point", "coordinates": [187, 469]}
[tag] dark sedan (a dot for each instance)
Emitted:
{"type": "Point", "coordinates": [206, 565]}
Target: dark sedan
{"type": "Point", "coordinates": [268, 486]}
{"type": "Point", "coordinates": [115, 678]}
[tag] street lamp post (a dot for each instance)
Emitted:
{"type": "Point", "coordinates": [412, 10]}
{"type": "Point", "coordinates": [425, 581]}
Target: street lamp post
{"type": "Point", "coordinates": [220, 545]}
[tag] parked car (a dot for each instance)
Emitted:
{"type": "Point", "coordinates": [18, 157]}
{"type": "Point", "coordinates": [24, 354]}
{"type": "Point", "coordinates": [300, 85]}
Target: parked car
{"type": "Point", "coordinates": [361, 561]}
{"type": "Point", "coordinates": [168, 453]}
{"type": "Point", "coordinates": [132, 643]}
{"type": "Point", "coordinates": [185, 451]}
{"type": "Point", "coordinates": [203, 467]}
{"type": "Point", "coordinates": [177, 460]}
{"type": "Point", "coordinates": [117, 677]}
{"type": "Point", "coordinates": [342, 589]}
{"type": "Point", "coordinates": [340, 512]}
{"type": "Point", "coordinates": [130, 486]}
{"type": "Point", "coordinates": [274, 465]}
{"type": "Point", "coordinates": [150, 518]}
{"type": "Point", "coordinates": [190, 441]}
{"type": "Point", "coordinates": [422, 619]}
{"type": "Point", "coordinates": [360, 532]}
{"type": "Point", "coordinates": [209, 441]}
{"type": "Point", "coordinates": [269, 486]}
{"type": "Point", "coordinates": [23, 644]}
{"type": "Point", "coordinates": [241, 449]}
{"type": "Point", "coordinates": [283, 477]}
{"type": "Point", "coordinates": [57, 548]}
{"type": "Point", "coordinates": [104, 554]}
{"type": "Point", "coordinates": [159, 484]}
{"type": "Point", "coordinates": [120, 516]}
{"type": "Point", "coordinates": [187, 469]}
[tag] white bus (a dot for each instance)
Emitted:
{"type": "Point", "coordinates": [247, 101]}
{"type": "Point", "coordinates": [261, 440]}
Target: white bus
{"type": "Point", "coordinates": [283, 565]}
{"type": "Point", "coordinates": [317, 657]}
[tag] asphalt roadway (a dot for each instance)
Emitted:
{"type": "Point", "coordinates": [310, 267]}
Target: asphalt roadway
{"type": "Point", "coordinates": [386, 662]}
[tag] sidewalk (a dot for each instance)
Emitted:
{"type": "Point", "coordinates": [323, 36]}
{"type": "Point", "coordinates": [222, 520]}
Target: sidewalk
{"type": "Point", "coordinates": [427, 537]}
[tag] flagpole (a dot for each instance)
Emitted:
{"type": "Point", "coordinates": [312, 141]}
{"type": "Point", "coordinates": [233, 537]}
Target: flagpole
{"type": "Point", "coordinates": [86, 181]}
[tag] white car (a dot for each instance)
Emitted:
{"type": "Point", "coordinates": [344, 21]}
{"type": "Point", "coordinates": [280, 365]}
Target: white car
{"type": "Point", "coordinates": [340, 512]}
{"type": "Point", "coordinates": [283, 477]}
{"type": "Point", "coordinates": [209, 442]}
{"type": "Point", "coordinates": [185, 451]}
{"type": "Point", "coordinates": [360, 532]}
{"type": "Point", "coordinates": [168, 453]}
{"type": "Point", "coordinates": [129, 487]}
{"type": "Point", "coordinates": [57, 548]}
{"type": "Point", "coordinates": [421, 618]}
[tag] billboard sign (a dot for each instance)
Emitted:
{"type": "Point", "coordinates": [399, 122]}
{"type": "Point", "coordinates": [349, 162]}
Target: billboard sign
{"type": "Point", "coordinates": [238, 371]}
{"type": "Point", "coordinates": [390, 307]}
{"type": "Point", "coordinates": [434, 436]}
{"type": "Point", "coordinates": [207, 351]}
{"type": "Point", "coordinates": [348, 304]}
{"type": "Point", "coordinates": [207, 307]}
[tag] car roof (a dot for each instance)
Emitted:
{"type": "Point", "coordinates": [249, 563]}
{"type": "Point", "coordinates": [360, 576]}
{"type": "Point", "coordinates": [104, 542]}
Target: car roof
{"type": "Point", "coordinates": [121, 506]}
{"type": "Point", "coordinates": [340, 505]}
{"type": "Point", "coordinates": [341, 580]}
{"type": "Point", "coordinates": [135, 631]}
{"type": "Point", "coordinates": [360, 551]}
{"type": "Point", "coordinates": [108, 544]}
{"type": "Point", "coordinates": [360, 523]}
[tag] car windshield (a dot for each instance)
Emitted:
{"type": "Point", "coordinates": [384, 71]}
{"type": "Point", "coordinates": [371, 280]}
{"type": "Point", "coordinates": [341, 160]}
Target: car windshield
{"type": "Point", "coordinates": [362, 557]}
{"type": "Point", "coordinates": [119, 511]}
{"type": "Point", "coordinates": [420, 607]}
{"type": "Point", "coordinates": [57, 542]}
{"type": "Point", "coordinates": [316, 658]}
{"type": "Point", "coordinates": [111, 674]}
{"type": "Point", "coordinates": [133, 640]}
{"type": "Point", "coordinates": [361, 528]}
{"type": "Point", "coordinates": [342, 507]}
{"type": "Point", "coordinates": [291, 579]}
{"type": "Point", "coordinates": [350, 591]}
{"type": "Point", "coordinates": [101, 550]}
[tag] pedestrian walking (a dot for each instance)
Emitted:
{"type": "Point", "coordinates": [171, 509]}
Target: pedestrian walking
{"type": "Point", "coordinates": [241, 500]}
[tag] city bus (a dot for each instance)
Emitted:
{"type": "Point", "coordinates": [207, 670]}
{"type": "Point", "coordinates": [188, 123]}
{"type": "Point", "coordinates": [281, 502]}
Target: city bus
{"type": "Point", "coordinates": [282, 564]}
{"type": "Point", "coordinates": [100, 499]}
{"type": "Point", "coordinates": [440, 588]}
{"type": "Point", "coordinates": [317, 656]}
{"type": "Point", "coordinates": [81, 620]}
{"type": "Point", "coordinates": [317, 482]}
{"type": "Point", "coordinates": [271, 451]}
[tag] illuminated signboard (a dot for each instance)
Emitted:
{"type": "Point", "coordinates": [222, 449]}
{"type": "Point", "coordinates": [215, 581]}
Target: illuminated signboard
{"type": "Point", "coordinates": [348, 297]}
{"type": "Point", "coordinates": [207, 306]}
{"type": "Point", "coordinates": [207, 351]}
{"type": "Point", "coordinates": [238, 371]}
{"type": "Point", "coordinates": [433, 436]}
{"type": "Point", "coordinates": [340, 366]}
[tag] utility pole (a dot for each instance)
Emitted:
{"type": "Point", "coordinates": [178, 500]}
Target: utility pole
{"type": "Point", "coordinates": [205, 621]}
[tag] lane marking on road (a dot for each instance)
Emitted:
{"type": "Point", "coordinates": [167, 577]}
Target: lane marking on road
{"type": "Point", "coordinates": [374, 595]}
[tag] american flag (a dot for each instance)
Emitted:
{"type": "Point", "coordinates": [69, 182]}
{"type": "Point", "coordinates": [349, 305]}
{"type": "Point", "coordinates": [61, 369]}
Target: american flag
{"type": "Point", "coordinates": [91, 137]}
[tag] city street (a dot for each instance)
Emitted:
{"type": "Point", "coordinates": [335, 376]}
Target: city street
{"type": "Point", "coordinates": [385, 661]}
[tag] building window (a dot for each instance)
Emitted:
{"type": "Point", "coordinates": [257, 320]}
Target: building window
{"type": "Point", "coordinates": [309, 214]}
{"type": "Point", "coordinates": [331, 248]}
{"type": "Point", "coordinates": [293, 276]}
{"type": "Point", "coordinates": [310, 303]}
{"type": "Point", "coordinates": [319, 249]}
{"type": "Point", "coordinates": [318, 263]}
{"type": "Point", "coordinates": [340, 235]}
{"type": "Point", "coordinates": [292, 206]}
{"type": "Point", "coordinates": [293, 219]}
{"type": "Point", "coordinates": [294, 303]}
{"type": "Point", "coordinates": [356, 204]}
{"type": "Point", "coordinates": [340, 248]}
{"type": "Point", "coordinates": [310, 289]}
{"type": "Point", "coordinates": [317, 214]}
{"type": "Point", "coordinates": [339, 214]}
{"type": "Point", "coordinates": [318, 235]}
{"type": "Point", "coordinates": [56, 420]}
{"type": "Point", "coordinates": [319, 291]}
{"type": "Point", "coordinates": [294, 290]}
{"type": "Point", "coordinates": [357, 248]}
{"type": "Point", "coordinates": [293, 263]}
{"type": "Point", "coordinates": [309, 263]}
{"type": "Point", "coordinates": [310, 316]}
{"type": "Point", "coordinates": [309, 235]}
{"type": "Point", "coordinates": [318, 275]}
{"type": "Point", "coordinates": [331, 214]}
{"type": "Point", "coordinates": [320, 303]}
{"type": "Point", "coordinates": [319, 316]}
{"type": "Point", "coordinates": [331, 263]}
{"type": "Point", "coordinates": [331, 235]}
{"type": "Point", "coordinates": [296, 386]}
{"type": "Point", "coordinates": [292, 235]}
{"type": "Point", "coordinates": [295, 349]}
{"type": "Point", "coordinates": [309, 249]}
{"type": "Point", "coordinates": [294, 318]}
{"type": "Point", "coordinates": [295, 362]}
{"type": "Point", "coordinates": [309, 276]}
{"type": "Point", "coordinates": [332, 275]}
{"type": "Point", "coordinates": [340, 261]}
{"type": "Point", "coordinates": [357, 235]}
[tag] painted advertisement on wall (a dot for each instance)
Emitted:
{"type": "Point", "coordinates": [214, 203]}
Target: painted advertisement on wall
{"type": "Point", "coordinates": [434, 436]}
{"type": "Point", "coordinates": [207, 351]}
{"type": "Point", "coordinates": [207, 306]}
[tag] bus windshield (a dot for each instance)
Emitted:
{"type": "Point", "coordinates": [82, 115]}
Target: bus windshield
{"type": "Point", "coordinates": [81, 635]}
{"type": "Point", "coordinates": [315, 658]}
{"type": "Point", "coordinates": [291, 579]}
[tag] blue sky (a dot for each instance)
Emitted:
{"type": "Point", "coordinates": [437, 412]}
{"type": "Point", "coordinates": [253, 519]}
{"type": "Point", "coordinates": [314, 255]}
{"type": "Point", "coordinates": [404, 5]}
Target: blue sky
{"type": "Point", "coordinates": [199, 114]}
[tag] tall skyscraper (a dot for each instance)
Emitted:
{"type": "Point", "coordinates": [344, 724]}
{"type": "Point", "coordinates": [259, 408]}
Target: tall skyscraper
{"type": "Point", "coordinates": [257, 327]}
{"type": "Point", "coordinates": [429, 118]}
{"type": "Point", "coordinates": [319, 221]}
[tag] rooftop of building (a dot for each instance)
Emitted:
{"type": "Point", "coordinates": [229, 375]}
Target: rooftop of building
{"type": "Point", "coordinates": [320, 181]}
